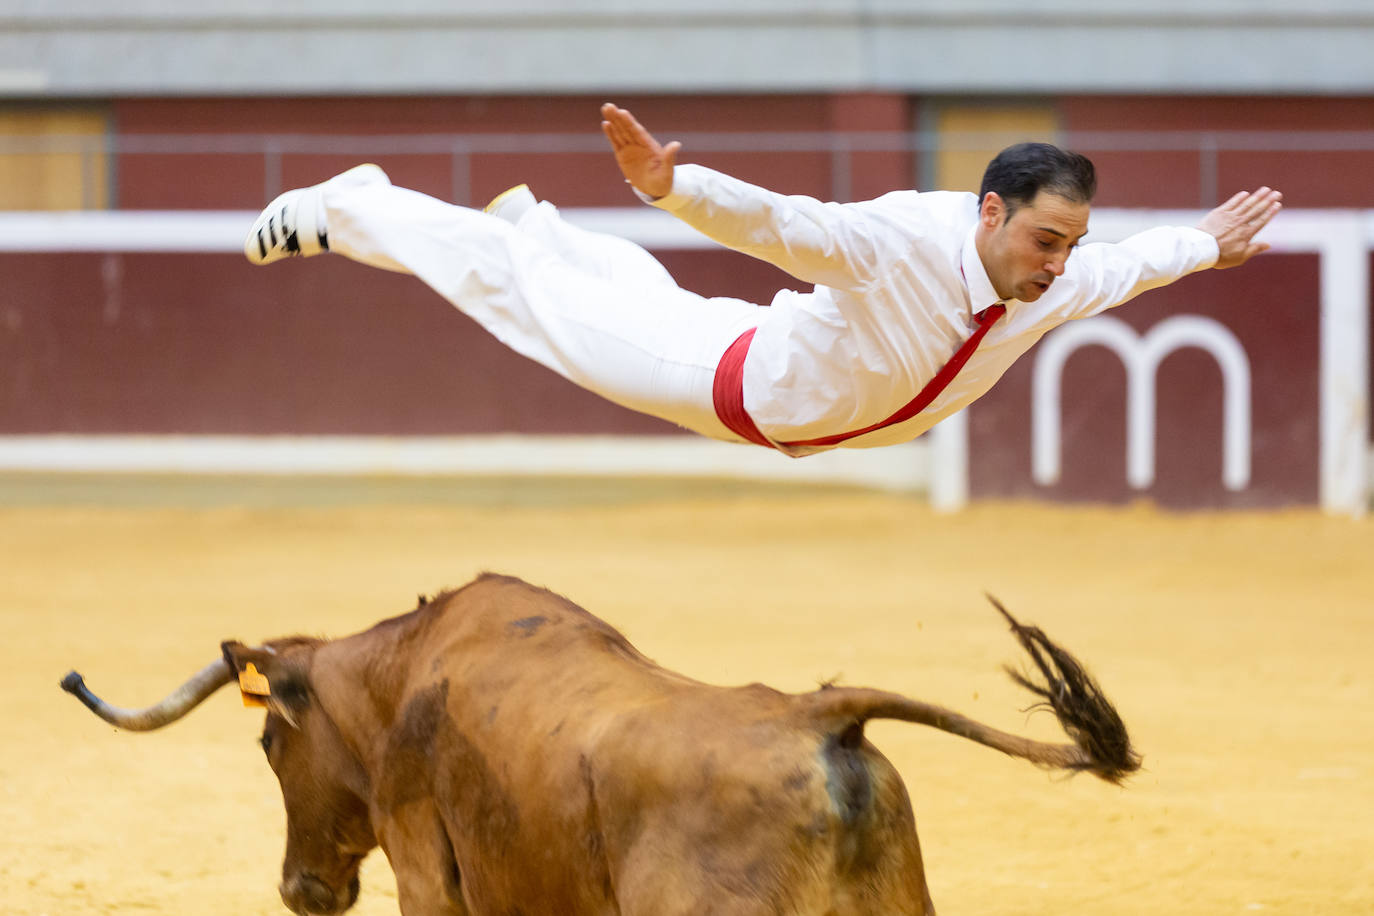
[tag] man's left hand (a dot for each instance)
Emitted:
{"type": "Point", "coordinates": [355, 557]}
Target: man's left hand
{"type": "Point", "coordinates": [1235, 223]}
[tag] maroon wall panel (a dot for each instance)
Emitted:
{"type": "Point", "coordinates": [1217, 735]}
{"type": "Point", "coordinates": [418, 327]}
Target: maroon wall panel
{"type": "Point", "coordinates": [152, 181]}
{"type": "Point", "coordinates": [1271, 305]}
{"type": "Point", "coordinates": [1167, 179]}
{"type": "Point", "coordinates": [1222, 112]}
{"type": "Point", "coordinates": [1309, 177]}
{"type": "Point", "coordinates": [148, 343]}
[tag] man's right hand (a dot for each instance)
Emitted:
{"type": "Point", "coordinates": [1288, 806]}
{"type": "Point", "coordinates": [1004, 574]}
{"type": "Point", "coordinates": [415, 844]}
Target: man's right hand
{"type": "Point", "coordinates": [646, 164]}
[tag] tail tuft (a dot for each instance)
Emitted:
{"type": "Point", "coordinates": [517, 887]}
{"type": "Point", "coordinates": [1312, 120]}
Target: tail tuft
{"type": "Point", "coordinates": [1076, 700]}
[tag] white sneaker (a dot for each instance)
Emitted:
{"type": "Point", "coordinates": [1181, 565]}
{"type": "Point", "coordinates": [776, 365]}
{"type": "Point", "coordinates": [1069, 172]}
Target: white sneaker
{"type": "Point", "coordinates": [512, 204]}
{"type": "Point", "coordinates": [292, 225]}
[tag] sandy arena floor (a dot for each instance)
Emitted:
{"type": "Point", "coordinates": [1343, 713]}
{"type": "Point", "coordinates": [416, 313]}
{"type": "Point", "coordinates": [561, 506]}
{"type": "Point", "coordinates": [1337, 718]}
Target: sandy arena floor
{"type": "Point", "coordinates": [1237, 648]}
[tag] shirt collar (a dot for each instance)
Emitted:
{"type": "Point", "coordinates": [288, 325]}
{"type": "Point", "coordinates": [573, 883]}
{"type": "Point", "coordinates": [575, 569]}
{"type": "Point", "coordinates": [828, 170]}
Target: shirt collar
{"type": "Point", "coordinates": [976, 281]}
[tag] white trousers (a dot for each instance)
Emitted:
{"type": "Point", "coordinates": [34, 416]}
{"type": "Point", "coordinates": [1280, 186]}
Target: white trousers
{"type": "Point", "coordinates": [597, 309]}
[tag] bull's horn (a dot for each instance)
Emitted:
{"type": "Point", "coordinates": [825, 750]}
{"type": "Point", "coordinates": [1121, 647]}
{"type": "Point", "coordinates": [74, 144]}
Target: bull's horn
{"type": "Point", "coordinates": [177, 704]}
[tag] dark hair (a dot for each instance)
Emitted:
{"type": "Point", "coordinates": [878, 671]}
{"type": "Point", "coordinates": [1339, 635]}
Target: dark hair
{"type": "Point", "coordinates": [1020, 172]}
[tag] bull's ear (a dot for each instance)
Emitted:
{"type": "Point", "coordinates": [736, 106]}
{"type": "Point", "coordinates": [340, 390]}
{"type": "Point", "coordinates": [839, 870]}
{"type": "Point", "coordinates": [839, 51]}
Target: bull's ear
{"type": "Point", "coordinates": [238, 655]}
{"type": "Point", "coordinates": [290, 696]}
{"type": "Point", "coordinates": [279, 683]}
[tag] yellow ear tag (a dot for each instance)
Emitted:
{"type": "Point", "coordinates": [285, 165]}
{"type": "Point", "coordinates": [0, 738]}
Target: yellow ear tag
{"type": "Point", "coordinates": [253, 686]}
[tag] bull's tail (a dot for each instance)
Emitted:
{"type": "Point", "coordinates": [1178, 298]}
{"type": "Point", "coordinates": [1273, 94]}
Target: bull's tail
{"type": "Point", "coordinates": [1101, 745]}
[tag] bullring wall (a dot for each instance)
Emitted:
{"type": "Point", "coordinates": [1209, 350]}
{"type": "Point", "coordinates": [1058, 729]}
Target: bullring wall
{"type": "Point", "coordinates": [121, 342]}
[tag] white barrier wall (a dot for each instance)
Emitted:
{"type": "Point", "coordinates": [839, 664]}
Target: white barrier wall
{"type": "Point", "coordinates": [938, 463]}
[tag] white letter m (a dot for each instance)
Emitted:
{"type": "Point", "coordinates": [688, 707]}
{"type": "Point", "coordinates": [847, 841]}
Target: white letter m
{"type": "Point", "coordinates": [1141, 357]}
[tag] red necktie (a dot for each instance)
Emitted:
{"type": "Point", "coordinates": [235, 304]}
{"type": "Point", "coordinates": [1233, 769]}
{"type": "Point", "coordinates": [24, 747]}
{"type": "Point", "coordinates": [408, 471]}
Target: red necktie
{"type": "Point", "coordinates": [728, 389]}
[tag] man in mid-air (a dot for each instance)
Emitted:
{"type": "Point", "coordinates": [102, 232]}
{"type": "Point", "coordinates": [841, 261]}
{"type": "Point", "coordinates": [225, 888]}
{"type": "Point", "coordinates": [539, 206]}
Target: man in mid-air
{"type": "Point", "coordinates": [921, 300]}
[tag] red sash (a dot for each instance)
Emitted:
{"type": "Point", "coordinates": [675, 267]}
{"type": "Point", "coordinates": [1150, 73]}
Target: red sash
{"type": "Point", "coordinates": [728, 389]}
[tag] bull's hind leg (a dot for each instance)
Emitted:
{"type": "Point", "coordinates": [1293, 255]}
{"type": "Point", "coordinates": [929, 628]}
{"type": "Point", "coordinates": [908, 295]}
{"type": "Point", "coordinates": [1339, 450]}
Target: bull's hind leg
{"type": "Point", "coordinates": [877, 856]}
{"type": "Point", "coordinates": [832, 836]}
{"type": "Point", "coordinates": [725, 879]}
{"type": "Point", "coordinates": [745, 855]}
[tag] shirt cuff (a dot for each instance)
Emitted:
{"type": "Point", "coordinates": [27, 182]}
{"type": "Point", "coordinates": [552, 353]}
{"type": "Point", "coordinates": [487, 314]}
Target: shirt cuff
{"type": "Point", "coordinates": [1203, 247]}
{"type": "Point", "coordinates": [685, 188]}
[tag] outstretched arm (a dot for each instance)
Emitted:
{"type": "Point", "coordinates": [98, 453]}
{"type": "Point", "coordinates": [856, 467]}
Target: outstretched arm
{"type": "Point", "coordinates": [644, 162]}
{"type": "Point", "coordinates": [1235, 223]}
{"type": "Point", "coordinates": [1109, 275]}
{"type": "Point", "coordinates": [813, 241]}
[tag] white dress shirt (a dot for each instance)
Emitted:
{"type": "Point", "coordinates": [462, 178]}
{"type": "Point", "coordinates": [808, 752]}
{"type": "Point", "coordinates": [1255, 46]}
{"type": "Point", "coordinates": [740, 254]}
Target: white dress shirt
{"type": "Point", "coordinates": [897, 282]}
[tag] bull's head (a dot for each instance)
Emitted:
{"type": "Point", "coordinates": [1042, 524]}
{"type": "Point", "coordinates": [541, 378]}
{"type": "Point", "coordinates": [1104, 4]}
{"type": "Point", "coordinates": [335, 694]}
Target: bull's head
{"type": "Point", "coordinates": [323, 785]}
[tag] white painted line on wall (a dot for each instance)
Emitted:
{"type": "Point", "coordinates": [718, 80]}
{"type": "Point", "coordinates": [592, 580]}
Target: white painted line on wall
{"type": "Point", "coordinates": [903, 468]}
{"type": "Point", "coordinates": [223, 231]}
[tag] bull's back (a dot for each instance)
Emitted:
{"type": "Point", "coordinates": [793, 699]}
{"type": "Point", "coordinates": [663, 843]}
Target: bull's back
{"type": "Point", "coordinates": [510, 620]}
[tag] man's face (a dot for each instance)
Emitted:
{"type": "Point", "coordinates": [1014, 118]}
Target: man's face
{"type": "Point", "coordinates": [1023, 255]}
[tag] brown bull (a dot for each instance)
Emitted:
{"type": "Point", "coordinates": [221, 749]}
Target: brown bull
{"type": "Point", "coordinates": [511, 753]}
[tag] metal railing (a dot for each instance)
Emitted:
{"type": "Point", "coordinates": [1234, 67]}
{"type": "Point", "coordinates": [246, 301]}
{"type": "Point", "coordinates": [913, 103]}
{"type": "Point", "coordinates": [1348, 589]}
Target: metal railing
{"type": "Point", "coordinates": [100, 156]}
